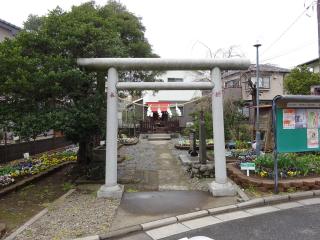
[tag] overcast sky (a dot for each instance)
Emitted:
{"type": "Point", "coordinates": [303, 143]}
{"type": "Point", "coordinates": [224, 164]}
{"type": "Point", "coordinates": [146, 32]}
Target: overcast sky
{"type": "Point", "coordinates": [189, 28]}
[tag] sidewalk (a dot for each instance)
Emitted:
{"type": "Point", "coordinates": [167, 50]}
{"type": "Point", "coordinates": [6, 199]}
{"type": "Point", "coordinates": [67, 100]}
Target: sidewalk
{"type": "Point", "coordinates": [184, 223]}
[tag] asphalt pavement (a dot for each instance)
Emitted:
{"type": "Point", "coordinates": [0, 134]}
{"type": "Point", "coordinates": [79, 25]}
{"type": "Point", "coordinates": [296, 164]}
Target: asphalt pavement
{"type": "Point", "coordinates": [301, 223]}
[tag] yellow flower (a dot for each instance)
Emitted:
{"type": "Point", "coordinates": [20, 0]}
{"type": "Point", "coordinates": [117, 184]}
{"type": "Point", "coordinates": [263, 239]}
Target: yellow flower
{"type": "Point", "coordinates": [263, 173]}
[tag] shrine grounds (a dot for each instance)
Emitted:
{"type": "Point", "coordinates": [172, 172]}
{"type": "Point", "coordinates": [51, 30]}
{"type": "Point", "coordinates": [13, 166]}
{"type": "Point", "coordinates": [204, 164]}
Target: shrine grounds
{"type": "Point", "coordinates": [156, 186]}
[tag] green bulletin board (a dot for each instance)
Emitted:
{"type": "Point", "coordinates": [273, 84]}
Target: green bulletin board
{"type": "Point", "coordinates": [295, 136]}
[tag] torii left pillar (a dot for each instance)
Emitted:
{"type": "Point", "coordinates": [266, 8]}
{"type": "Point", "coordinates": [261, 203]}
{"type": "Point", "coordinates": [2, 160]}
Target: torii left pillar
{"type": "Point", "coordinates": [111, 189]}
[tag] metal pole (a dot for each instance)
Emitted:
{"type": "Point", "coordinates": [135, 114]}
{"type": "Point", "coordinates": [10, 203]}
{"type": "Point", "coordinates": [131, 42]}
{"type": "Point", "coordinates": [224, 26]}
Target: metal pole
{"type": "Point", "coordinates": [318, 18]}
{"type": "Point", "coordinates": [275, 147]}
{"type": "Point", "coordinates": [111, 189]}
{"type": "Point", "coordinates": [258, 142]}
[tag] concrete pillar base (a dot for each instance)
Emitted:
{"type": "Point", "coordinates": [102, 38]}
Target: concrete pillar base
{"type": "Point", "coordinates": [221, 190]}
{"type": "Point", "coordinates": [114, 192]}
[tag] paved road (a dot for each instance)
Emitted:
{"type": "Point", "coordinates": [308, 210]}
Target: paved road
{"type": "Point", "coordinates": [292, 224]}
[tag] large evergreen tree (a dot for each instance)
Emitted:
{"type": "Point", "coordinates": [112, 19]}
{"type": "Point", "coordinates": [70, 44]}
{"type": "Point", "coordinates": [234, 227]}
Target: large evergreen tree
{"type": "Point", "coordinates": [42, 88]}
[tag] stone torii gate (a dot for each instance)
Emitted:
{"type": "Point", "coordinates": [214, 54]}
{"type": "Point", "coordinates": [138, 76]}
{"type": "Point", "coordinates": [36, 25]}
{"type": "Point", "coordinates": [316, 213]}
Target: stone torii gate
{"type": "Point", "coordinates": [219, 187]}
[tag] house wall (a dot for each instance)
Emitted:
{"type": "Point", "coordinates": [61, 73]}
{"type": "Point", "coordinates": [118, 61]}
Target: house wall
{"type": "Point", "coordinates": [188, 109]}
{"type": "Point", "coordinates": [174, 95]}
{"type": "Point", "coordinates": [276, 88]}
{"type": "Point", "coordinates": [314, 67]}
{"type": "Point", "coordinates": [232, 94]}
{"type": "Point", "coordinates": [4, 33]}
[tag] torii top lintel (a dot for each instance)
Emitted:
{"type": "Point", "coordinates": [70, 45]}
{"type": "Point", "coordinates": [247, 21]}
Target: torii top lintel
{"type": "Point", "coordinates": [163, 63]}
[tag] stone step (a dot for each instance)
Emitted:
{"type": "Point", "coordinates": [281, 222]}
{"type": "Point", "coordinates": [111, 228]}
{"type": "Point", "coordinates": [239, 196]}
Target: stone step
{"type": "Point", "coordinates": [159, 136]}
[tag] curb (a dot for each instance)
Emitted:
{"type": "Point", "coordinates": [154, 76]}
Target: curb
{"type": "Point", "coordinates": [257, 202]}
{"type": "Point", "coordinates": [13, 235]}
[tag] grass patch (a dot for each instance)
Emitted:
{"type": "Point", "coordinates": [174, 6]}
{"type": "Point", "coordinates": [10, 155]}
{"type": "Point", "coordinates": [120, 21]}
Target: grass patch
{"type": "Point", "coordinates": [131, 190]}
{"type": "Point", "coordinates": [67, 186]}
{"type": "Point", "coordinates": [128, 157]}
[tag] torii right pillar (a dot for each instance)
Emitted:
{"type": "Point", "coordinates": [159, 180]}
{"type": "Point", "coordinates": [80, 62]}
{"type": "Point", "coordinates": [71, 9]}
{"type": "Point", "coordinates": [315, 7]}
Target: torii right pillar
{"type": "Point", "coordinates": [220, 186]}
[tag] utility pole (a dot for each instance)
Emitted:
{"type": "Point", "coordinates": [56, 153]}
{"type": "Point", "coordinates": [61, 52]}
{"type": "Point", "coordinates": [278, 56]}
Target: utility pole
{"type": "Point", "coordinates": [318, 18]}
{"type": "Point", "coordinates": [258, 147]}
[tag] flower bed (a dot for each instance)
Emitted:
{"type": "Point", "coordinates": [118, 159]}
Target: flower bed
{"type": "Point", "coordinates": [290, 165]}
{"type": "Point", "coordinates": [266, 185]}
{"type": "Point", "coordinates": [12, 173]}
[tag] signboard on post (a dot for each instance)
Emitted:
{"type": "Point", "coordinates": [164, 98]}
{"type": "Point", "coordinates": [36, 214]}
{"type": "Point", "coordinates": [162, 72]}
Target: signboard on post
{"type": "Point", "coordinates": [248, 166]}
{"type": "Point", "coordinates": [296, 121]}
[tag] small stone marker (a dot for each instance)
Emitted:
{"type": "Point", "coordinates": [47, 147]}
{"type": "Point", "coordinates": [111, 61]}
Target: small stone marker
{"type": "Point", "coordinates": [248, 166]}
{"type": "Point", "coordinates": [26, 155]}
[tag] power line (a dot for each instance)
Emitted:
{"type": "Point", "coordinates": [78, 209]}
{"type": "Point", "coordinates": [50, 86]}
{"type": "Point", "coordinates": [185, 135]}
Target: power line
{"type": "Point", "coordinates": [287, 29]}
{"type": "Point", "coordinates": [288, 52]}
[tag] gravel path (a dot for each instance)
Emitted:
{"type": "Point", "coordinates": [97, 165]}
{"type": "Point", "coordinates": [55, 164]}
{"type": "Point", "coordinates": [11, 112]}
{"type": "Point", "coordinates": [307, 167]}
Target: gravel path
{"type": "Point", "coordinates": [80, 214]}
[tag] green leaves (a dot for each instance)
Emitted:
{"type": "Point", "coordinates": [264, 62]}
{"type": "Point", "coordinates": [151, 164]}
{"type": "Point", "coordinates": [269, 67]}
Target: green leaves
{"type": "Point", "coordinates": [300, 80]}
{"type": "Point", "coordinates": [41, 86]}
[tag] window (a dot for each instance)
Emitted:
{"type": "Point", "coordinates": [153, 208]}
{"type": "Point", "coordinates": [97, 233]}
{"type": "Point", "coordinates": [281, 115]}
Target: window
{"type": "Point", "coordinates": [232, 84]}
{"type": "Point", "coordinates": [264, 82]}
{"type": "Point", "coordinates": [175, 79]}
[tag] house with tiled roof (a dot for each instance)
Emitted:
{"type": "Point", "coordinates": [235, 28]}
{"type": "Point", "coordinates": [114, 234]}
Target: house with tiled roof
{"type": "Point", "coordinates": [238, 84]}
{"type": "Point", "coordinates": [313, 65]}
{"type": "Point", "coordinates": [7, 30]}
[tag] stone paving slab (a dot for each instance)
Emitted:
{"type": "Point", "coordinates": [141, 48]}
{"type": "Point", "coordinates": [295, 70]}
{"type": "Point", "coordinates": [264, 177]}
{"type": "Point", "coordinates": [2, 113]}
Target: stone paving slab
{"type": "Point", "coordinates": [288, 205]}
{"type": "Point", "coordinates": [201, 222]}
{"type": "Point", "coordinates": [310, 201]}
{"type": "Point", "coordinates": [133, 236]}
{"type": "Point", "coordinates": [158, 223]}
{"type": "Point", "coordinates": [233, 215]}
{"type": "Point", "coordinates": [262, 210]}
{"type": "Point", "coordinates": [167, 231]}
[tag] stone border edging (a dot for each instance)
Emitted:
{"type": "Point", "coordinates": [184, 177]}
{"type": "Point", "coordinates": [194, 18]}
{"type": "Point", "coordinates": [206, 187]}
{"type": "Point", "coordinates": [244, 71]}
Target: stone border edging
{"type": "Point", "coordinates": [257, 202]}
{"type": "Point", "coordinates": [32, 178]}
{"type": "Point", "coordinates": [264, 185]}
{"type": "Point", "coordinates": [129, 144]}
{"type": "Point", "coordinates": [13, 235]}
{"type": "Point", "coordinates": [186, 147]}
